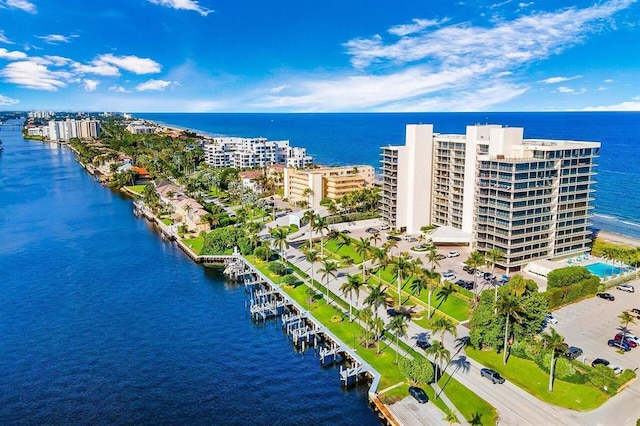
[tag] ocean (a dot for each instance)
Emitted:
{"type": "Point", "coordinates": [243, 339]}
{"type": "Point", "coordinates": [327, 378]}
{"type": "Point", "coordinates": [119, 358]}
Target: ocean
{"type": "Point", "coordinates": [355, 138]}
{"type": "Point", "coordinates": [102, 322]}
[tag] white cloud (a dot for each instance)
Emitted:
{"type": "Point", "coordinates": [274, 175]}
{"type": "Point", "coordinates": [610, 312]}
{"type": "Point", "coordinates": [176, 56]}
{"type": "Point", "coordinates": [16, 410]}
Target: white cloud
{"type": "Point", "coordinates": [433, 68]}
{"type": "Point", "coordinates": [521, 5]}
{"type": "Point", "coordinates": [58, 61]}
{"type": "Point", "coordinates": [632, 105]}
{"type": "Point", "coordinates": [278, 89]}
{"type": "Point", "coordinates": [11, 55]}
{"type": "Point", "coordinates": [158, 85]}
{"type": "Point", "coordinates": [416, 26]}
{"type": "Point", "coordinates": [34, 74]}
{"type": "Point", "coordinates": [56, 38]}
{"type": "Point", "coordinates": [90, 85]}
{"type": "Point", "coordinates": [184, 5]}
{"type": "Point", "coordinates": [554, 80]}
{"type": "Point", "coordinates": [5, 100]}
{"type": "Point", "coordinates": [609, 80]}
{"type": "Point", "coordinates": [22, 4]}
{"type": "Point", "coordinates": [564, 89]}
{"type": "Point", "coordinates": [131, 63]}
{"type": "Point", "coordinates": [4, 39]}
{"type": "Point", "coordinates": [96, 67]}
{"type": "Point", "coordinates": [118, 89]}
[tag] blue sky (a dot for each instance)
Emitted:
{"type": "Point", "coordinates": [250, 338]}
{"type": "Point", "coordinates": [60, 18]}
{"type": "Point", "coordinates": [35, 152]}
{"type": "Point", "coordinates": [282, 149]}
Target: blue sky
{"type": "Point", "coordinates": [295, 56]}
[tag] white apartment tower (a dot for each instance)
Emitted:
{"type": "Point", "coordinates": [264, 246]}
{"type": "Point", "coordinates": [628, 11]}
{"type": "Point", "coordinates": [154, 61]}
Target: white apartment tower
{"type": "Point", "coordinates": [531, 199]}
{"type": "Point", "coordinates": [244, 153]}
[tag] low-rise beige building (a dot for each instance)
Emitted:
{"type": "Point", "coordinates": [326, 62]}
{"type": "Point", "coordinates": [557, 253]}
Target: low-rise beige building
{"type": "Point", "coordinates": [312, 185]}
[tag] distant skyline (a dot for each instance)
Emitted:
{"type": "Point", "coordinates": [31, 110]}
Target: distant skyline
{"type": "Point", "coordinates": [329, 56]}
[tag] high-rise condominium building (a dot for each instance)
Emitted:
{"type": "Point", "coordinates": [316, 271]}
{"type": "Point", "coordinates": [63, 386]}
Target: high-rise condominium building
{"type": "Point", "coordinates": [253, 152]}
{"type": "Point", "coordinates": [529, 198]}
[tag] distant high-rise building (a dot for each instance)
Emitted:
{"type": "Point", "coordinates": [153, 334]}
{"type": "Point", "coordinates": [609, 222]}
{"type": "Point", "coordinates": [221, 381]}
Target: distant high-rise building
{"type": "Point", "coordinates": [253, 152]}
{"type": "Point", "coordinates": [529, 198]}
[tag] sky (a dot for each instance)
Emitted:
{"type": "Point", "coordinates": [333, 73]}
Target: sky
{"type": "Point", "coordinates": [319, 56]}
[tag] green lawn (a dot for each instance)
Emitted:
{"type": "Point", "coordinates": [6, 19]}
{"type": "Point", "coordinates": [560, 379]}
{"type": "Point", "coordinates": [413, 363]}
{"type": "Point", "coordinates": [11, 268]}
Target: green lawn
{"type": "Point", "coordinates": [527, 375]}
{"type": "Point", "coordinates": [467, 402]}
{"type": "Point", "coordinates": [166, 221]}
{"type": "Point", "coordinates": [195, 244]}
{"type": "Point", "coordinates": [138, 189]}
{"type": "Point", "coordinates": [334, 247]}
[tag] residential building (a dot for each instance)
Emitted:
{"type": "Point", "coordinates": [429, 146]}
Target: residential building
{"type": "Point", "coordinates": [70, 128]}
{"type": "Point", "coordinates": [140, 127]}
{"type": "Point", "coordinates": [491, 188]}
{"type": "Point", "coordinates": [314, 184]}
{"type": "Point", "coordinates": [244, 153]}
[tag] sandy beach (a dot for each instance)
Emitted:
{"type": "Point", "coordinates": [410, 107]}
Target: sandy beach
{"type": "Point", "coordinates": [617, 238]}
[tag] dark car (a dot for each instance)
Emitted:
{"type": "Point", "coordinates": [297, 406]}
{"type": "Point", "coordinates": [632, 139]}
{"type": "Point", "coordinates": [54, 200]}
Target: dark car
{"type": "Point", "coordinates": [423, 344]}
{"type": "Point", "coordinates": [461, 283]}
{"type": "Point", "coordinates": [419, 394]}
{"type": "Point", "coordinates": [394, 238]}
{"type": "Point", "coordinates": [635, 311]}
{"type": "Point", "coordinates": [469, 269]}
{"type": "Point", "coordinates": [599, 361]}
{"type": "Point", "coordinates": [623, 346]}
{"type": "Point", "coordinates": [441, 256]}
{"type": "Point", "coordinates": [494, 376]}
{"type": "Point", "coordinates": [628, 341]}
{"type": "Point", "coordinates": [467, 285]}
{"type": "Point", "coordinates": [345, 231]}
{"type": "Point", "coordinates": [372, 230]}
{"type": "Point", "coordinates": [573, 352]}
{"type": "Point", "coordinates": [607, 296]}
{"type": "Point", "coordinates": [488, 276]}
{"type": "Point", "coordinates": [393, 312]}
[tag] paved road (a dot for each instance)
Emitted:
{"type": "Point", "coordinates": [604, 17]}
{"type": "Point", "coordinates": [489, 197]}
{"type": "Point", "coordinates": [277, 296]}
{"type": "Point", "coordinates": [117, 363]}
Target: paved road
{"type": "Point", "coordinates": [514, 405]}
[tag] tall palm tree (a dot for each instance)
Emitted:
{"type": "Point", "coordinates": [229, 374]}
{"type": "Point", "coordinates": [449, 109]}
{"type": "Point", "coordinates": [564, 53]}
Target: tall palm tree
{"type": "Point", "coordinates": [312, 257]}
{"type": "Point", "coordinates": [377, 324]}
{"type": "Point", "coordinates": [280, 242]}
{"type": "Point", "coordinates": [511, 308]}
{"type": "Point", "coordinates": [444, 325]}
{"type": "Point", "coordinates": [625, 319]}
{"type": "Point", "coordinates": [319, 226]}
{"type": "Point", "coordinates": [352, 285]}
{"type": "Point", "coordinates": [366, 315]}
{"type": "Point", "coordinates": [433, 279]}
{"type": "Point", "coordinates": [432, 257]}
{"type": "Point", "coordinates": [475, 261]}
{"type": "Point", "coordinates": [381, 257]}
{"type": "Point", "coordinates": [328, 270]}
{"type": "Point", "coordinates": [401, 266]}
{"type": "Point", "coordinates": [390, 245]}
{"type": "Point", "coordinates": [440, 355]}
{"type": "Point", "coordinates": [375, 238]}
{"type": "Point", "coordinates": [363, 248]}
{"type": "Point", "coordinates": [310, 217]}
{"type": "Point", "coordinates": [308, 192]}
{"type": "Point", "coordinates": [399, 326]}
{"type": "Point", "coordinates": [419, 283]}
{"type": "Point", "coordinates": [344, 240]}
{"type": "Point", "coordinates": [377, 297]}
{"type": "Point", "coordinates": [555, 343]}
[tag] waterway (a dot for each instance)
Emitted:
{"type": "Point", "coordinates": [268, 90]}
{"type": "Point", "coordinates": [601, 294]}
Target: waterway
{"type": "Point", "coordinates": [101, 322]}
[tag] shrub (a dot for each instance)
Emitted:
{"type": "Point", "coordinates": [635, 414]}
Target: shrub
{"type": "Point", "coordinates": [289, 279]}
{"type": "Point", "coordinates": [518, 349]}
{"type": "Point", "coordinates": [565, 277]}
{"type": "Point", "coordinates": [277, 268]}
{"type": "Point", "coordinates": [261, 252]}
{"type": "Point", "coordinates": [418, 370]}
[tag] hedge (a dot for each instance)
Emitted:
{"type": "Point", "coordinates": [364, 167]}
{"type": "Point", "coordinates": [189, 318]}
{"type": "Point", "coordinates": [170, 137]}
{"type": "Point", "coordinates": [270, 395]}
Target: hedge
{"type": "Point", "coordinates": [562, 296]}
{"type": "Point", "coordinates": [565, 277]}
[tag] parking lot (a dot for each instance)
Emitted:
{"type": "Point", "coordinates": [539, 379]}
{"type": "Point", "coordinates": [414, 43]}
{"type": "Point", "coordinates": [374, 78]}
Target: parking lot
{"type": "Point", "coordinates": [592, 322]}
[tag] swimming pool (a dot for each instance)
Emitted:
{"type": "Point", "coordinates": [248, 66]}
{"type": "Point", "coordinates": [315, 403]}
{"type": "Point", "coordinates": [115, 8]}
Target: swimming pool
{"type": "Point", "coordinates": [605, 270]}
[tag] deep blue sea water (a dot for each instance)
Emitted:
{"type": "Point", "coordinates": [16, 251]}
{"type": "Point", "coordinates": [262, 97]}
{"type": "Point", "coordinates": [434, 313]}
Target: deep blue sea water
{"type": "Point", "coordinates": [101, 322]}
{"type": "Point", "coordinates": [336, 139]}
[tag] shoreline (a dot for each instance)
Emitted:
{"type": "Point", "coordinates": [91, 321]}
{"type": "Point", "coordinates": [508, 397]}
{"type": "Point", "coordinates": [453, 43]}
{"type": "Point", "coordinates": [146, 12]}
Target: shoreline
{"type": "Point", "coordinates": [616, 238]}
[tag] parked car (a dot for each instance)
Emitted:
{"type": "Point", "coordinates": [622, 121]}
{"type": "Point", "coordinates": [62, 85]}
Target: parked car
{"type": "Point", "coordinates": [626, 287]}
{"type": "Point", "coordinates": [461, 283]}
{"type": "Point", "coordinates": [345, 231]}
{"type": "Point", "coordinates": [453, 253]}
{"type": "Point", "coordinates": [488, 276]}
{"type": "Point", "coordinates": [627, 340]}
{"type": "Point", "coordinates": [419, 394]}
{"type": "Point", "coordinates": [411, 239]}
{"type": "Point", "coordinates": [607, 296]}
{"type": "Point", "coordinates": [394, 238]}
{"type": "Point", "coordinates": [633, 337]}
{"type": "Point", "coordinates": [550, 319]}
{"type": "Point", "coordinates": [469, 269]}
{"type": "Point", "coordinates": [479, 273]}
{"type": "Point", "coordinates": [616, 369]}
{"type": "Point", "coordinates": [449, 276]}
{"type": "Point", "coordinates": [623, 346]}
{"type": "Point", "coordinates": [384, 226]}
{"type": "Point", "coordinates": [494, 376]}
{"type": "Point", "coordinates": [599, 361]}
{"type": "Point", "coordinates": [441, 256]}
{"type": "Point", "coordinates": [635, 311]}
{"type": "Point", "coordinates": [573, 352]}
{"type": "Point", "coordinates": [502, 282]}
{"type": "Point", "coordinates": [372, 230]}
{"type": "Point", "coordinates": [423, 344]}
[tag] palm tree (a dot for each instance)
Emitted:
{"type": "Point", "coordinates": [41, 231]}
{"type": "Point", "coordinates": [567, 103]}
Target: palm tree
{"type": "Point", "coordinates": [345, 240]}
{"type": "Point", "coordinates": [312, 257]}
{"type": "Point", "coordinates": [366, 315]}
{"type": "Point", "coordinates": [328, 270]}
{"type": "Point", "coordinates": [494, 256]}
{"type": "Point", "coordinates": [363, 248]}
{"type": "Point", "coordinates": [377, 297]}
{"type": "Point", "coordinates": [390, 245]}
{"type": "Point", "coordinates": [380, 256]}
{"type": "Point", "coordinates": [433, 279]}
{"type": "Point", "coordinates": [375, 238]}
{"type": "Point", "coordinates": [625, 319]}
{"type": "Point", "coordinates": [440, 355]}
{"type": "Point", "coordinates": [444, 325]}
{"type": "Point", "coordinates": [319, 226]}
{"type": "Point", "coordinates": [352, 285]}
{"type": "Point", "coordinates": [401, 265]}
{"type": "Point", "coordinates": [419, 283]}
{"type": "Point", "coordinates": [280, 242]}
{"type": "Point", "coordinates": [432, 257]}
{"type": "Point", "coordinates": [475, 261]}
{"type": "Point", "coordinates": [377, 324]}
{"type": "Point", "coordinates": [555, 343]}
{"type": "Point", "coordinates": [511, 308]}
{"type": "Point", "coordinates": [399, 325]}
{"type": "Point", "coordinates": [310, 217]}
{"type": "Point", "coordinates": [308, 192]}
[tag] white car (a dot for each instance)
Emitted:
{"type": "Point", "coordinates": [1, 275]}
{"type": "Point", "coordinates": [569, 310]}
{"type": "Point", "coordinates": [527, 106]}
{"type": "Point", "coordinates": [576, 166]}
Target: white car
{"type": "Point", "coordinates": [616, 369]}
{"type": "Point", "coordinates": [626, 287]}
{"type": "Point", "coordinates": [551, 319]}
{"type": "Point", "coordinates": [450, 276]}
{"type": "Point", "coordinates": [633, 337]}
{"type": "Point", "coordinates": [384, 226]}
{"type": "Point", "coordinates": [453, 253]}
